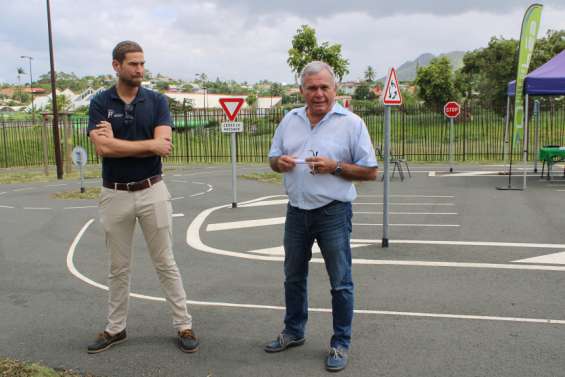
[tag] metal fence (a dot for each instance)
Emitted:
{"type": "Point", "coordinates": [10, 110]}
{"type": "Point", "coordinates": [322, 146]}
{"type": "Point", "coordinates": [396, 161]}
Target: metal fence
{"type": "Point", "coordinates": [417, 133]}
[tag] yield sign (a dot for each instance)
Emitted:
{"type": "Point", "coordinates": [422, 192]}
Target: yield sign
{"type": "Point", "coordinates": [231, 106]}
{"type": "Point", "coordinates": [392, 94]}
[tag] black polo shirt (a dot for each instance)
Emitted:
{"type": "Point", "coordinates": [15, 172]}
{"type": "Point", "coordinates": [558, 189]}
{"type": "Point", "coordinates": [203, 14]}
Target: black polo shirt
{"type": "Point", "coordinates": [135, 122]}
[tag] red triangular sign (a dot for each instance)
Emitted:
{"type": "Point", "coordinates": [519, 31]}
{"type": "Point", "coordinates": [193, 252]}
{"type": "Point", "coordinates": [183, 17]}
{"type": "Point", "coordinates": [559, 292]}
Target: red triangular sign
{"type": "Point", "coordinates": [231, 106]}
{"type": "Point", "coordinates": [392, 94]}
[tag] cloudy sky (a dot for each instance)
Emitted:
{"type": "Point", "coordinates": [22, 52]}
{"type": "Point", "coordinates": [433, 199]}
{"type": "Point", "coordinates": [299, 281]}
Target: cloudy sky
{"type": "Point", "coordinates": [248, 40]}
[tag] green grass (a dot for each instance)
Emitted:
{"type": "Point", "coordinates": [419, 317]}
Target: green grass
{"type": "Point", "coordinates": [89, 194]}
{"type": "Point", "coordinates": [16, 176]}
{"type": "Point", "coordinates": [15, 368]}
{"type": "Point", "coordinates": [270, 177]}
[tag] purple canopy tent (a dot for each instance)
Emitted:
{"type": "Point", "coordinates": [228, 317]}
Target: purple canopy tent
{"type": "Point", "coordinates": [546, 80]}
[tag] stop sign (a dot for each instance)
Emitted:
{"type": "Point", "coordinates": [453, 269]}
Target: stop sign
{"type": "Point", "coordinates": [452, 109]}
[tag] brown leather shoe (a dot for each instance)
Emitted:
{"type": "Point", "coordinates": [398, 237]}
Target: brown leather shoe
{"type": "Point", "coordinates": [105, 341]}
{"type": "Point", "coordinates": [188, 342]}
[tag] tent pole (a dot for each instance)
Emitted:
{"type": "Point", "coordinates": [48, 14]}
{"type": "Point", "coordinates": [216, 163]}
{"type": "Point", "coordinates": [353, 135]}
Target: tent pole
{"type": "Point", "coordinates": [536, 136]}
{"type": "Point", "coordinates": [525, 143]}
{"type": "Point", "coordinates": [505, 147]}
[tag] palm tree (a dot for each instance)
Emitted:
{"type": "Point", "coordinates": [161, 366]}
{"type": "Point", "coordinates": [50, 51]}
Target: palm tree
{"type": "Point", "coordinates": [370, 74]}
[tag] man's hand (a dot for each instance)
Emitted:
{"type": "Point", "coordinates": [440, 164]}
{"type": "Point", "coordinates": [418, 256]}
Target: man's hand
{"type": "Point", "coordinates": [284, 164]}
{"type": "Point", "coordinates": [162, 146]}
{"type": "Point", "coordinates": [104, 129]}
{"type": "Point", "coordinates": [321, 165]}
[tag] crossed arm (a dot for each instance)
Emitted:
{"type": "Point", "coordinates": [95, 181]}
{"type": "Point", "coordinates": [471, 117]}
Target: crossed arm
{"type": "Point", "coordinates": [109, 146]}
{"type": "Point", "coordinates": [325, 165]}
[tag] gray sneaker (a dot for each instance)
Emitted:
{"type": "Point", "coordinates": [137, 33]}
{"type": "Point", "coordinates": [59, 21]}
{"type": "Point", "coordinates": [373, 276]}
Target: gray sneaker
{"type": "Point", "coordinates": [283, 342]}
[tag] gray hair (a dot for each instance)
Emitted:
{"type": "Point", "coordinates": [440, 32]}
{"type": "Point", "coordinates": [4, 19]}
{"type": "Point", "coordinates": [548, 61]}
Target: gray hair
{"type": "Point", "coordinates": [315, 67]}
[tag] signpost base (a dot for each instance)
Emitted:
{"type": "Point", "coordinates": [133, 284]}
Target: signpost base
{"type": "Point", "coordinates": [234, 205]}
{"type": "Point", "coordinates": [384, 242]}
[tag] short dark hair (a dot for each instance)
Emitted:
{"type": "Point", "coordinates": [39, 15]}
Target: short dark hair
{"type": "Point", "coordinates": [122, 48]}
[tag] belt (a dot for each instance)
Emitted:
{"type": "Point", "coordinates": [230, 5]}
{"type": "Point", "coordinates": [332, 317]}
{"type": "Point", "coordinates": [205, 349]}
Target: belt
{"type": "Point", "coordinates": [133, 186]}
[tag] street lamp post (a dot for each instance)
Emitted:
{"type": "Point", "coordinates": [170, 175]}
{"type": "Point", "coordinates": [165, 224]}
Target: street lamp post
{"type": "Point", "coordinates": [30, 58]}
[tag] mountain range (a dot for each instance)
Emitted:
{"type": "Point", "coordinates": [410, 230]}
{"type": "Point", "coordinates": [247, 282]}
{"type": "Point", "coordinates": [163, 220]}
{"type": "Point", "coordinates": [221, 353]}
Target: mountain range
{"type": "Point", "coordinates": [407, 71]}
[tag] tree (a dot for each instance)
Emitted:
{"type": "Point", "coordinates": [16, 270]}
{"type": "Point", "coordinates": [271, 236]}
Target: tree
{"type": "Point", "coordinates": [63, 103]}
{"type": "Point", "coordinates": [20, 73]}
{"type": "Point", "coordinates": [251, 100]}
{"type": "Point", "coordinates": [547, 47]}
{"type": "Point", "coordinates": [435, 83]}
{"type": "Point", "coordinates": [276, 90]}
{"type": "Point", "coordinates": [364, 92]}
{"type": "Point", "coordinates": [370, 74]}
{"type": "Point", "coordinates": [487, 71]}
{"type": "Point", "coordinates": [305, 49]}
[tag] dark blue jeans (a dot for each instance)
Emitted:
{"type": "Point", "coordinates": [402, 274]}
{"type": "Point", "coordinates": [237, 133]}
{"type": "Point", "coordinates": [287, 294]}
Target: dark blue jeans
{"type": "Point", "coordinates": [330, 226]}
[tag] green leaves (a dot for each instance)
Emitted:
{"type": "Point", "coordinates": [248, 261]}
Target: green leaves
{"type": "Point", "coordinates": [436, 84]}
{"type": "Point", "coordinates": [305, 49]}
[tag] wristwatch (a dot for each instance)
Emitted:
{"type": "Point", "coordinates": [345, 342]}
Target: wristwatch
{"type": "Point", "coordinates": [338, 169]}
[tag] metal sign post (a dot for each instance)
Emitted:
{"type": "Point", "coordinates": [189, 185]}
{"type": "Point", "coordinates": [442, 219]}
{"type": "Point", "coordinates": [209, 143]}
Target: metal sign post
{"type": "Point", "coordinates": [391, 97]}
{"type": "Point", "coordinates": [79, 159]}
{"type": "Point", "coordinates": [451, 110]}
{"type": "Point", "coordinates": [231, 107]}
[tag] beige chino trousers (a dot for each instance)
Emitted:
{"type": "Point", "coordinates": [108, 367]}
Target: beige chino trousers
{"type": "Point", "coordinates": [119, 211]}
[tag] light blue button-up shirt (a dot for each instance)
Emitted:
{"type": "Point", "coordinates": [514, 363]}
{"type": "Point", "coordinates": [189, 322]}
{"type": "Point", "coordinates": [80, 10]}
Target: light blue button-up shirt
{"type": "Point", "coordinates": [340, 135]}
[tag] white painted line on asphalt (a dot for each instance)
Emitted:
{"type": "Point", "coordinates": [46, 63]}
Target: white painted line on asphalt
{"type": "Point", "coordinates": [470, 173]}
{"type": "Point", "coordinates": [23, 189]}
{"type": "Point", "coordinates": [412, 225]}
{"type": "Point", "coordinates": [405, 213]}
{"type": "Point", "coordinates": [200, 183]}
{"type": "Point", "coordinates": [38, 208]}
{"type": "Point", "coordinates": [279, 250]}
{"type": "Point", "coordinates": [432, 174]}
{"type": "Point", "coordinates": [210, 188]}
{"type": "Point", "coordinates": [81, 207]}
{"type": "Point", "coordinates": [245, 224]}
{"type": "Point", "coordinates": [197, 194]}
{"type": "Point", "coordinates": [178, 214]}
{"type": "Point", "coordinates": [70, 255]}
{"type": "Point", "coordinates": [178, 181]}
{"type": "Point", "coordinates": [554, 258]}
{"type": "Point", "coordinates": [416, 263]}
{"type": "Point", "coordinates": [57, 185]}
{"type": "Point", "coordinates": [265, 203]}
{"type": "Point", "coordinates": [404, 204]}
{"type": "Point", "coordinates": [177, 198]}
{"type": "Point", "coordinates": [407, 196]}
{"type": "Point", "coordinates": [470, 243]}
{"type": "Point", "coordinates": [2, 193]}
{"type": "Point", "coordinates": [7, 207]}
{"type": "Point", "coordinates": [72, 269]}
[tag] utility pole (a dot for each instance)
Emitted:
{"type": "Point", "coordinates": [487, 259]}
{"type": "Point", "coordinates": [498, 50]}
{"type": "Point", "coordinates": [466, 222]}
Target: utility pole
{"type": "Point", "coordinates": [56, 138]}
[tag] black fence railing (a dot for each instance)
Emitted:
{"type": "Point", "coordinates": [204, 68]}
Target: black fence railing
{"type": "Point", "coordinates": [417, 134]}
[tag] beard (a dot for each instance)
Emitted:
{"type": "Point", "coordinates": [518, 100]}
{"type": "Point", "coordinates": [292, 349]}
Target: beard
{"type": "Point", "coordinates": [131, 81]}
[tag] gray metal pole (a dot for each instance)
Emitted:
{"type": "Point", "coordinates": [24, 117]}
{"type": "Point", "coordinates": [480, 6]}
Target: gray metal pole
{"type": "Point", "coordinates": [451, 145]}
{"type": "Point", "coordinates": [386, 153]}
{"type": "Point", "coordinates": [233, 171]}
{"type": "Point", "coordinates": [506, 141]}
{"type": "Point", "coordinates": [525, 144]}
{"type": "Point", "coordinates": [536, 135]}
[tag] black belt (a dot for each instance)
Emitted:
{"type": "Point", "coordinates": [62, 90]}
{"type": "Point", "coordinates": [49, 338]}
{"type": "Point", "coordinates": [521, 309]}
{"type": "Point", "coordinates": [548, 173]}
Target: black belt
{"type": "Point", "coordinates": [133, 186]}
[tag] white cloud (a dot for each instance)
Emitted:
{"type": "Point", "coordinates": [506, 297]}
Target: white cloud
{"type": "Point", "coordinates": [249, 40]}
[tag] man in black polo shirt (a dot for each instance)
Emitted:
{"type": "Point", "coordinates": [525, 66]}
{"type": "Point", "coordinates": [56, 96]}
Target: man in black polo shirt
{"type": "Point", "coordinates": [131, 129]}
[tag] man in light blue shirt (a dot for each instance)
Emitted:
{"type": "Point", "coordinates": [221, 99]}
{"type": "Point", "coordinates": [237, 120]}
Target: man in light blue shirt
{"type": "Point", "coordinates": [321, 149]}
